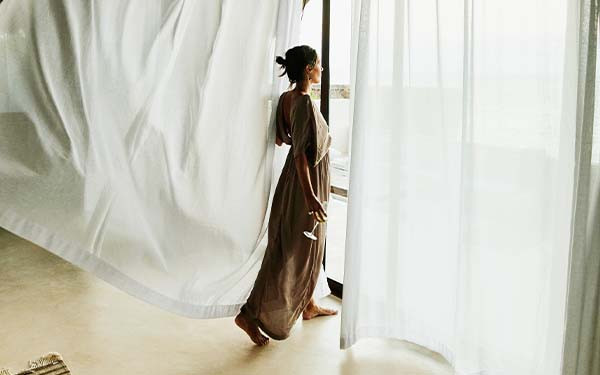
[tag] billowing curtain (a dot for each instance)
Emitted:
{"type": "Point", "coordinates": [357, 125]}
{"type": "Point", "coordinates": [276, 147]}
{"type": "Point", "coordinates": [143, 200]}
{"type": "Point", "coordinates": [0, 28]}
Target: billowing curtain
{"type": "Point", "coordinates": [465, 130]}
{"type": "Point", "coordinates": [137, 140]}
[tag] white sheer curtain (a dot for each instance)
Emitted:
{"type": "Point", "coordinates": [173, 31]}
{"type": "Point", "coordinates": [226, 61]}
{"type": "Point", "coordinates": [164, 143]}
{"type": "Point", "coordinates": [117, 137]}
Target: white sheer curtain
{"type": "Point", "coordinates": [460, 198]}
{"type": "Point", "coordinates": [137, 138]}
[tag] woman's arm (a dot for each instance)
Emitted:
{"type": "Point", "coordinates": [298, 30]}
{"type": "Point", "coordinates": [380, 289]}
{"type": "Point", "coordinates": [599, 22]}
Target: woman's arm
{"type": "Point", "coordinates": [312, 201]}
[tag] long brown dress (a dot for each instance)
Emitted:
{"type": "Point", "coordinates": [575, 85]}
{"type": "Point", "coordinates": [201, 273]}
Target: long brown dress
{"type": "Point", "coordinates": [292, 262]}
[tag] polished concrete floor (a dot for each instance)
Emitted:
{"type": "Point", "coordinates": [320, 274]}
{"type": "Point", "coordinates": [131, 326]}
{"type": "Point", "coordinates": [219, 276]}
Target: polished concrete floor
{"type": "Point", "coordinates": [47, 304]}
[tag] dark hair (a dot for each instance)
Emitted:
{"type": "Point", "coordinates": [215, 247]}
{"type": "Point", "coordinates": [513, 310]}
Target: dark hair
{"type": "Point", "coordinates": [296, 59]}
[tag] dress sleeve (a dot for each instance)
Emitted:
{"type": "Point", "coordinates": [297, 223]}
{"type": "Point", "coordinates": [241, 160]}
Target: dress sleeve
{"type": "Point", "coordinates": [304, 129]}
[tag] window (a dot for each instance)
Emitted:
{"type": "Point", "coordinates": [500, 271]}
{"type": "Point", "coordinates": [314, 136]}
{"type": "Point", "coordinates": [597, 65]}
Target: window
{"type": "Point", "coordinates": [331, 37]}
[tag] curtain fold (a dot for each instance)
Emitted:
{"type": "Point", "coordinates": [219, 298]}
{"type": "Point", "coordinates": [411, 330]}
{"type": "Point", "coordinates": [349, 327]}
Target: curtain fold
{"type": "Point", "coordinates": [137, 140]}
{"type": "Point", "coordinates": [461, 179]}
{"type": "Point", "coordinates": [582, 348]}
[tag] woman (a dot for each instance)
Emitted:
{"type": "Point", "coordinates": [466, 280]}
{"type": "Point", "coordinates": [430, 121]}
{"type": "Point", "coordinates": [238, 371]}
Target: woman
{"type": "Point", "coordinates": [288, 275]}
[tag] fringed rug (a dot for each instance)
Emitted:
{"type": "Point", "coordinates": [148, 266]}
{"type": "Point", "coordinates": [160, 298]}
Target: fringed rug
{"type": "Point", "coordinates": [50, 364]}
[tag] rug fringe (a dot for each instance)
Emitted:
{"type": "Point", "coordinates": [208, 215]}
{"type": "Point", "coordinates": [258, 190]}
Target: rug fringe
{"type": "Point", "coordinates": [44, 360]}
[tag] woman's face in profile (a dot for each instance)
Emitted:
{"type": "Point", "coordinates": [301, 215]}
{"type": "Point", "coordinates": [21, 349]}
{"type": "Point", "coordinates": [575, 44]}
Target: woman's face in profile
{"type": "Point", "coordinates": [315, 73]}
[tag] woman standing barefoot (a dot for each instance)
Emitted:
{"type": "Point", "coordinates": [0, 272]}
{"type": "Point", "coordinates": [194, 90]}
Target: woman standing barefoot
{"type": "Point", "coordinates": [288, 275]}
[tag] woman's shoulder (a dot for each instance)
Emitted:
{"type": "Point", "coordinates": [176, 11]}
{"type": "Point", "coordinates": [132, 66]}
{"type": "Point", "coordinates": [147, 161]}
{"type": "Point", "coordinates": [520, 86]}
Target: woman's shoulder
{"type": "Point", "coordinates": [291, 100]}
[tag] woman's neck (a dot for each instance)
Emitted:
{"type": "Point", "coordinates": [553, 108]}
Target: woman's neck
{"type": "Point", "coordinates": [303, 87]}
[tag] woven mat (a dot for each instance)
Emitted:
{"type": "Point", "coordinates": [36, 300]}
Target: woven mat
{"type": "Point", "coordinates": [49, 364]}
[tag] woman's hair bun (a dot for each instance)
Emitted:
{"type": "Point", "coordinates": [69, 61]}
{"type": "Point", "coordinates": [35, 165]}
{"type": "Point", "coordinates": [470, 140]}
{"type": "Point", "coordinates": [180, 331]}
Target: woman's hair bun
{"type": "Point", "coordinates": [280, 60]}
{"type": "Point", "coordinates": [295, 61]}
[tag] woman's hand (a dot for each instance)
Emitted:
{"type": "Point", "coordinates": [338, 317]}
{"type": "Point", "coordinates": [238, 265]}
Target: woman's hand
{"type": "Point", "coordinates": [316, 208]}
{"type": "Point", "coordinates": [279, 141]}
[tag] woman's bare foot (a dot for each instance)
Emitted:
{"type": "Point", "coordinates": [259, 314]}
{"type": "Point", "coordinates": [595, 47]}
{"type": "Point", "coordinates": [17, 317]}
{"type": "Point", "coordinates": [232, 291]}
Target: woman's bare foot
{"type": "Point", "coordinates": [251, 329]}
{"type": "Point", "coordinates": [312, 311]}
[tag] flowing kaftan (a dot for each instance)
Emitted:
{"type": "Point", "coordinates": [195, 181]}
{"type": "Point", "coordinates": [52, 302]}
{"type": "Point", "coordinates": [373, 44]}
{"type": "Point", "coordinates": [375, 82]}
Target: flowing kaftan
{"type": "Point", "coordinates": [292, 262]}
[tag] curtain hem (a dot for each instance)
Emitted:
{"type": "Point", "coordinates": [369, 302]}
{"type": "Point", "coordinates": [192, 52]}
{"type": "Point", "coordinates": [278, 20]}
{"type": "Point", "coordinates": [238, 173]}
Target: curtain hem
{"type": "Point", "coordinates": [83, 259]}
{"type": "Point", "coordinates": [347, 340]}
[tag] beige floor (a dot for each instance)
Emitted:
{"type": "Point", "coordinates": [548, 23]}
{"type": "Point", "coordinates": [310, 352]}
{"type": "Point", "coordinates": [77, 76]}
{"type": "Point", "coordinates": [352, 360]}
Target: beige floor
{"type": "Point", "coordinates": [46, 304]}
